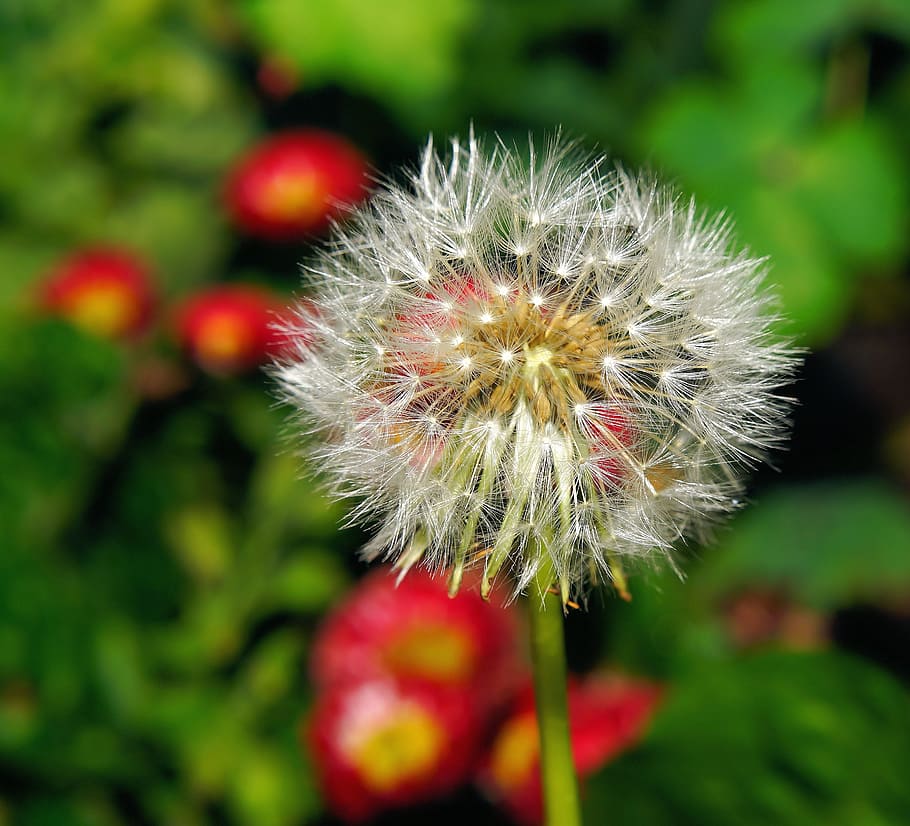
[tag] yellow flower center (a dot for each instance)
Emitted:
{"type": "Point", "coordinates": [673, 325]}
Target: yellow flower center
{"type": "Point", "coordinates": [432, 651]}
{"type": "Point", "coordinates": [536, 358]}
{"type": "Point", "coordinates": [107, 310]}
{"type": "Point", "coordinates": [515, 350]}
{"type": "Point", "coordinates": [297, 197]}
{"type": "Point", "coordinates": [515, 752]}
{"type": "Point", "coordinates": [408, 744]}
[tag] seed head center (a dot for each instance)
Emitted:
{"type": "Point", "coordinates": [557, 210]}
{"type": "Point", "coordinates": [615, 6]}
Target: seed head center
{"type": "Point", "coordinates": [548, 361]}
{"type": "Point", "coordinates": [537, 357]}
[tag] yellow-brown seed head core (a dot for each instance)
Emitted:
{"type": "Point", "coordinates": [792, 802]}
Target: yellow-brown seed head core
{"type": "Point", "coordinates": [512, 349]}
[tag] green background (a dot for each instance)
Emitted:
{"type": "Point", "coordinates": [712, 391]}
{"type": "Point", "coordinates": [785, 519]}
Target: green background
{"type": "Point", "coordinates": [162, 566]}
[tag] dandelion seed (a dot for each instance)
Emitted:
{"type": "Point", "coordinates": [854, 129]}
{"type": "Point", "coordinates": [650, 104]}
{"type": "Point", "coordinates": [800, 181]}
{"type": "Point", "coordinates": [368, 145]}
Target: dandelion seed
{"type": "Point", "coordinates": [583, 416]}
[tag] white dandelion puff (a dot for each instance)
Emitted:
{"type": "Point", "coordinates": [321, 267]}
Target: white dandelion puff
{"type": "Point", "coordinates": [516, 365]}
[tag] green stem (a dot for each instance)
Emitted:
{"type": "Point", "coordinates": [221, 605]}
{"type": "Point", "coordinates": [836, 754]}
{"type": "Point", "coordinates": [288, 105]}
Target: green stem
{"type": "Point", "coordinates": [557, 769]}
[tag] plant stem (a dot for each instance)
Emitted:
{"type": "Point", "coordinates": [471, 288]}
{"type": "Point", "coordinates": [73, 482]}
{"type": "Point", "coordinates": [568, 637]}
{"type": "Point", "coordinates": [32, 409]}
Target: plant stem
{"type": "Point", "coordinates": [557, 769]}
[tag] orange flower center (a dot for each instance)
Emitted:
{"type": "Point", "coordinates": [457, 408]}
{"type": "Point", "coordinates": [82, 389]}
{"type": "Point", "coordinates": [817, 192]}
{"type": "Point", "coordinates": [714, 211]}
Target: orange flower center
{"type": "Point", "coordinates": [293, 198]}
{"type": "Point", "coordinates": [223, 340]}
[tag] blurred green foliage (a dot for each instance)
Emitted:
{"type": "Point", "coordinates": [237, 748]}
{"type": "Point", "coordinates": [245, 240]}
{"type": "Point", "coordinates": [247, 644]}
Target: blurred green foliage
{"type": "Point", "coordinates": [736, 744]}
{"type": "Point", "coordinates": [747, 117]}
{"type": "Point", "coordinates": [121, 118]}
{"type": "Point", "coordinates": [131, 580]}
{"type": "Point", "coordinates": [162, 568]}
{"type": "Point", "coordinates": [403, 51]}
{"type": "Point", "coordinates": [827, 544]}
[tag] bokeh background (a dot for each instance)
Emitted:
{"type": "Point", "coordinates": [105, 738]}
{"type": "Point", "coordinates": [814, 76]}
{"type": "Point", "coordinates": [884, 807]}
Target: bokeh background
{"type": "Point", "coordinates": [163, 569]}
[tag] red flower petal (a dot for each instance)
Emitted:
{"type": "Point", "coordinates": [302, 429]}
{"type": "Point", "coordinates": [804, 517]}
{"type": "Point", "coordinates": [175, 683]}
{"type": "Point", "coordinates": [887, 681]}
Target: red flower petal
{"type": "Point", "coordinates": [610, 435]}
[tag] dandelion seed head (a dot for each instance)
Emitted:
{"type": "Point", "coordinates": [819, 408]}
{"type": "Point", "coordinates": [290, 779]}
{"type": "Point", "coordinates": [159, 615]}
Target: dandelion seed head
{"type": "Point", "coordinates": [516, 366]}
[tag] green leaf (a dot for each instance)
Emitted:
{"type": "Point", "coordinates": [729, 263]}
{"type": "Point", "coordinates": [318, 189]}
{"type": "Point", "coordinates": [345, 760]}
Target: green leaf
{"type": "Point", "coordinates": [788, 739]}
{"type": "Point", "coordinates": [809, 280]}
{"type": "Point", "coordinates": [121, 669]}
{"type": "Point", "coordinates": [180, 228]}
{"type": "Point", "coordinates": [21, 261]}
{"type": "Point", "coordinates": [851, 182]}
{"type": "Point", "coordinates": [271, 790]}
{"type": "Point", "coordinates": [201, 536]}
{"type": "Point", "coordinates": [62, 407]}
{"type": "Point", "coordinates": [769, 29]}
{"type": "Point", "coordinates": [272, 671]}
{"type": "Point", "coordinates": [50, 209]}
{"type": "Point", "coordinates": [213, 750]}
{"type": "Point", "coordinates": [666, 629]}
{"type": "Point", "coordinates": [400, 50]}
{"type": "Point", "coordinates": [693, 135]}
{"type": "Point", "coordinates": [826, 544]}
{"type": "Point", "coordinates": [821, 201]}
{"type": "Point", "coordinates": [283, 489]}
{"type": "Point", "coordinates": [309, 581]}
{"type": "Point", "coordinates": [178, 141]}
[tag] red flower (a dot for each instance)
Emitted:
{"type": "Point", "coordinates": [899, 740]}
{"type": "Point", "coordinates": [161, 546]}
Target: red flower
{"type": "Point", "coordinates": [231, 328]}
{"type": "Point", "coordinates": [606, 714]}
{"type": "Point", "coordinates": [383, 743]}
{"type": "Point", "coordinates": [292, 183]}
{"type": "Point", "coordinates": [105, 290]}
{"type": "Point", "coordinates": [610, 434]}
{"type": "Point", "coordinates": [416, 632]}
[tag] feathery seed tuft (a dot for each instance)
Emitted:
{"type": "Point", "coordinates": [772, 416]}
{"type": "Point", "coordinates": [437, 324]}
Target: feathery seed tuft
{"type": "Point", "coordinates": [515, 365]}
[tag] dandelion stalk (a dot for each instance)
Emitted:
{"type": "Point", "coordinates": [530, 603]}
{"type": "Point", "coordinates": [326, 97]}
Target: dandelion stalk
{"type": "Point", "coordinates": [557, 769]}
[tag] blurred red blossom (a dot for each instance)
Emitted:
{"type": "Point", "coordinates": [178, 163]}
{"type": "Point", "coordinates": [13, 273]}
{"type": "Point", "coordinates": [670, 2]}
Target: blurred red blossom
{"type": "Point", "coordinates": [413, 630]}
{"type": "Point", "coordinates": [411, 683]}
{"type": "Point", "coordinates": [607, 714]}
{"type": "Point", "coordinates": [757, 616]}
{"type": "Point", "coordinates": [105, 290]}
{"type": "Point", "coordinates": [292, 183]}
{"type": "Point", "coordinates": [227, 329]}
{"type": "Point", "coordinates": [383, 743]}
